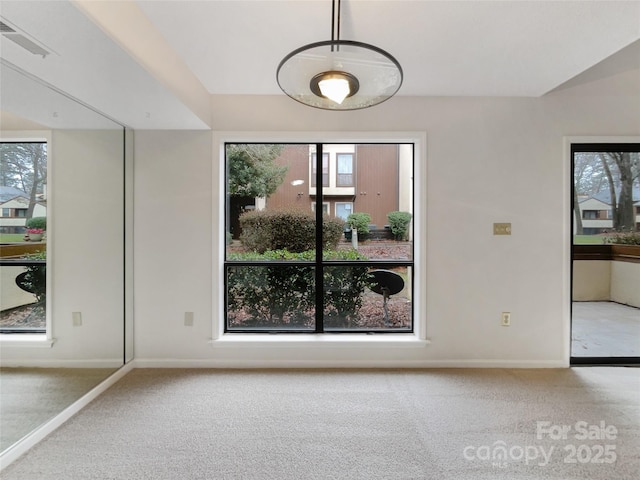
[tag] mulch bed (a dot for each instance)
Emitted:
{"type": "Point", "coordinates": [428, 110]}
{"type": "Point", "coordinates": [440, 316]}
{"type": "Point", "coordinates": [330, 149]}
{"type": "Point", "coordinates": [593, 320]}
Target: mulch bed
{"type": "Point", "coordinates": [25, 316]}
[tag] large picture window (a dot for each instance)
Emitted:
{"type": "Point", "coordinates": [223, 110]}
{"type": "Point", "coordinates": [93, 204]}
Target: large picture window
{"type": "Point", "coordinates": [305, 257]}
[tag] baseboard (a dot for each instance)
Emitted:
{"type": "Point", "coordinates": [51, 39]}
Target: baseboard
{"type": "Point", "coordinates": [63, 363]}
{"type": "Point", "coordinates": [18, 449]}
{"type": "Point", "coordinates": [257, 364]}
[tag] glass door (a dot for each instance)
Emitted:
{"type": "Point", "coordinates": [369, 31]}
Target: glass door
{"type": "Point", "coordinates": [605, 307]}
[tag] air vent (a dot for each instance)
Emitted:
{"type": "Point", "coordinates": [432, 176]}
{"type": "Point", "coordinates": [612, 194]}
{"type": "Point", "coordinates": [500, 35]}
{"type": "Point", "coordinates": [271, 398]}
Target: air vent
{"type": "Point", "coordinates": [10, 33]}
{"type": "Point", "coordinates": [4, 28]}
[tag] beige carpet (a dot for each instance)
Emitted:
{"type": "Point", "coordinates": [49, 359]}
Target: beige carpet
{"type": "Point", "coordinates": [361, 424]}
{"type": "Point", "coordinates": [30, 397]}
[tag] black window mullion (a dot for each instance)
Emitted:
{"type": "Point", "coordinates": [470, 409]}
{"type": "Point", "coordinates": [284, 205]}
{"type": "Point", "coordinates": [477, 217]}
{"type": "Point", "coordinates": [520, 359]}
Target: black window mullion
{"type": "Point", "coordinates": [319, 268]}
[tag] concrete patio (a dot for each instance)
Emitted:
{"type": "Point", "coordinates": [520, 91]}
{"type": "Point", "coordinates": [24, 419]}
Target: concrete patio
{"type": "Point", "coordinates": [605, 329]}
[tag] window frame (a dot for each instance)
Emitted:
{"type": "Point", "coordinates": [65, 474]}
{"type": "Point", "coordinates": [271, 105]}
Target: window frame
{"type": "Point", "coordinates": [418, 338]}
{"type": "Point", "coordinates": [335, 211]}
{"type": "Point", "coordinates": [352, 183]}
{"type": "Point", "coordinates": [40, 339]}
{"type": "Point", "coordinates": [326, 207]}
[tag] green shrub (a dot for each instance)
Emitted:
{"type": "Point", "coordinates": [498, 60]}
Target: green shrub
{"type": "Point", "coordinates": [399, 223]}
{"type": "Point", "coordinates": [35, 277]}
{"type": "Point", "coordinates": [360, 221]}
{"type": "Point", "coordinates": [624, 238]}
{"type": "Point", "coordinates": [284, 295]}
{"type": "Point", "coordinates": [37, 222]}
{"type": "Point", "coordinates": [290, 229]}
{"type": "Point", "coordinates": [343, 289]}
{"type": "Point", "coordinates": [332, 229]}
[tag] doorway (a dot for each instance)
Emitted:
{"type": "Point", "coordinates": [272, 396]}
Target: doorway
{"type": "Point", "coordinates": [605, 253]}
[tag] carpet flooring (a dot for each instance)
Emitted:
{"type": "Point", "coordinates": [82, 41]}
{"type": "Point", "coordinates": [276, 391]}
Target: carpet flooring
{"type": "Point", "coordinates": [579, 423]}
{"type": "Point", "coordinates": [30, 397]}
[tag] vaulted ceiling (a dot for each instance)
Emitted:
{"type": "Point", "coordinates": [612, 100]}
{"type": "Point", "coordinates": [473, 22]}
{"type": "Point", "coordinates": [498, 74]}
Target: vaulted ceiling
{"type": "Point", "coordinates": [154, 64]}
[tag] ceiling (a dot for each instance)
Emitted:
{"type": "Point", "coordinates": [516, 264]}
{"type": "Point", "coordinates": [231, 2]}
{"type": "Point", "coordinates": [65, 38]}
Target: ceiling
{"type": "Point", "coordinates": [153, 64]}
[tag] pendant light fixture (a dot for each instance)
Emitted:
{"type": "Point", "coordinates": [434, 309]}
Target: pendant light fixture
{"type": "Point", "coordinates": [339, 74]}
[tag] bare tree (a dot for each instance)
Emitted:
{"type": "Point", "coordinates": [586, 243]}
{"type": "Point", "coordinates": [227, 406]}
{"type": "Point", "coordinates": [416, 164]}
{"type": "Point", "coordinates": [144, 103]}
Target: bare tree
{"type": "Point", "coordinates": [24, 166]}
{"type": "Point", "coordinates": [623, 214]}
{"type": "Point", "coordinates": [582, 163]}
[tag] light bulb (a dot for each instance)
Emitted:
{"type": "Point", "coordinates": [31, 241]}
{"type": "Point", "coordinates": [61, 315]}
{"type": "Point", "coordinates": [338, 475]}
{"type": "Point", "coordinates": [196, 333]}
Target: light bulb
{"type": "Point", "coordinates": [336, 89]}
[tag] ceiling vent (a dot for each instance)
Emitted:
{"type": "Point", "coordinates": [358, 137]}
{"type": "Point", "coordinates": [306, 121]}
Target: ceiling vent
{"type": "Point", "coordinates": [12, 34]}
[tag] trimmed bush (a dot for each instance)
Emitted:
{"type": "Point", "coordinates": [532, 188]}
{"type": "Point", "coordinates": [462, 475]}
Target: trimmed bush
{"type": "Point", "coordinates": [35, 277]}
{"type": "Point", "coordinates": [283, 295]}
{"type": "Point", "coordinates": [361, 222]}
{"type": "Point", "coordinates": [399, 223]}
{"type": "Point", "coordinates": [624, 238]}
{"type": "Point", "coordinates": [37, 222]}
{"type": "Point", "coordinates": [332, 229]}
{"type": "Point", "coordinates": [288, 229]}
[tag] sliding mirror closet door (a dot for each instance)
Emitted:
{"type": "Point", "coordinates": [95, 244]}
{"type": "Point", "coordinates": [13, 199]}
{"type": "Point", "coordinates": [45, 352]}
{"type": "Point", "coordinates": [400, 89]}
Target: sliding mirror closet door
{"type": "Point", "coordinates": [63, 289]}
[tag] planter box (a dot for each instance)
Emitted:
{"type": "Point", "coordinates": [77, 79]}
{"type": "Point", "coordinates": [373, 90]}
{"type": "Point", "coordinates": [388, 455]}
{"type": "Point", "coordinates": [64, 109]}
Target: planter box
{"type": "Point", "coordinates": [622, 253]}
{"type": "Point", "coordinates": [607, 273]}
{"type": "Point", "coordinates": [21, 249]}
{"type": "Point", "coordinates": [628, 253]}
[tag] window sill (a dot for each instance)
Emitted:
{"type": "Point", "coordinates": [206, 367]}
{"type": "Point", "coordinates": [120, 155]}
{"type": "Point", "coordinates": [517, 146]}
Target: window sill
{"type": "Point", "coordinates": [344, 340]}
{"type": "Point", "coordinates": [25, 340]}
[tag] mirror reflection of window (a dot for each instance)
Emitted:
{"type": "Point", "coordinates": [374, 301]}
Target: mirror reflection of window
{"type": "Point", "coordinates": [23, 226]}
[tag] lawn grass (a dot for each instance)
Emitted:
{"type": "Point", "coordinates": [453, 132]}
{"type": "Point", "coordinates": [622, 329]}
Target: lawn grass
{"type": "Point", "coordinates": [588, 239]}
{"type": "Point", "coordinates": [11, 237]}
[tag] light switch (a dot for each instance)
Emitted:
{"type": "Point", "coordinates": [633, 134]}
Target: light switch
{"type": "Point", "coordinates": [502, 229]}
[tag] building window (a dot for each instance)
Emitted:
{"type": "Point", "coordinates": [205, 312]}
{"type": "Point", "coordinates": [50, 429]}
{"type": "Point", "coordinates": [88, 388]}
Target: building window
{"type": "Point", "coordinates": [325, 169]}
{"type": "Point", "coordinates": [325, 207]}
{"type": "Point", "coordinates": [590, 214]}
{"type": "Point", "coordinates": [343, 210]}
{"type": "Point", "coordinates": [22, 199]}
{"type": "Point", "coordinates": [293, 270]}
{"type": "Point", "coordinates": [344, 170]}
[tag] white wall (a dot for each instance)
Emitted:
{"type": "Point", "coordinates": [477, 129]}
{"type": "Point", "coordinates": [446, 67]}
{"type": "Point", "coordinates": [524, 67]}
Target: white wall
{"type": "Point", "coordinates": [625, 283]}
{"type": "Point", "coordinates": [11, 295]}
{"type": "Point", "coordinates": [592, 281]}
{"type": "Point", "coordinates": [85, 249]}
{"type": "Point", "coordinates": [489, 160]}
{"type": "Point", "coordinates": [605, 281]}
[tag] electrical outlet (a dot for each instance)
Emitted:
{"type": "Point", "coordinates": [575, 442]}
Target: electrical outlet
{"type": "Point", "coordinates": [76, 318]}
{"type": "Point", "coordinates": [506, 319]}
{"type": "Point", "coordinates": [188, 319]}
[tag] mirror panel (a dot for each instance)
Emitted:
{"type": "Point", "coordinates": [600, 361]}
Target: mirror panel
{"type": "Point", "coordinates": [88, 200]}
